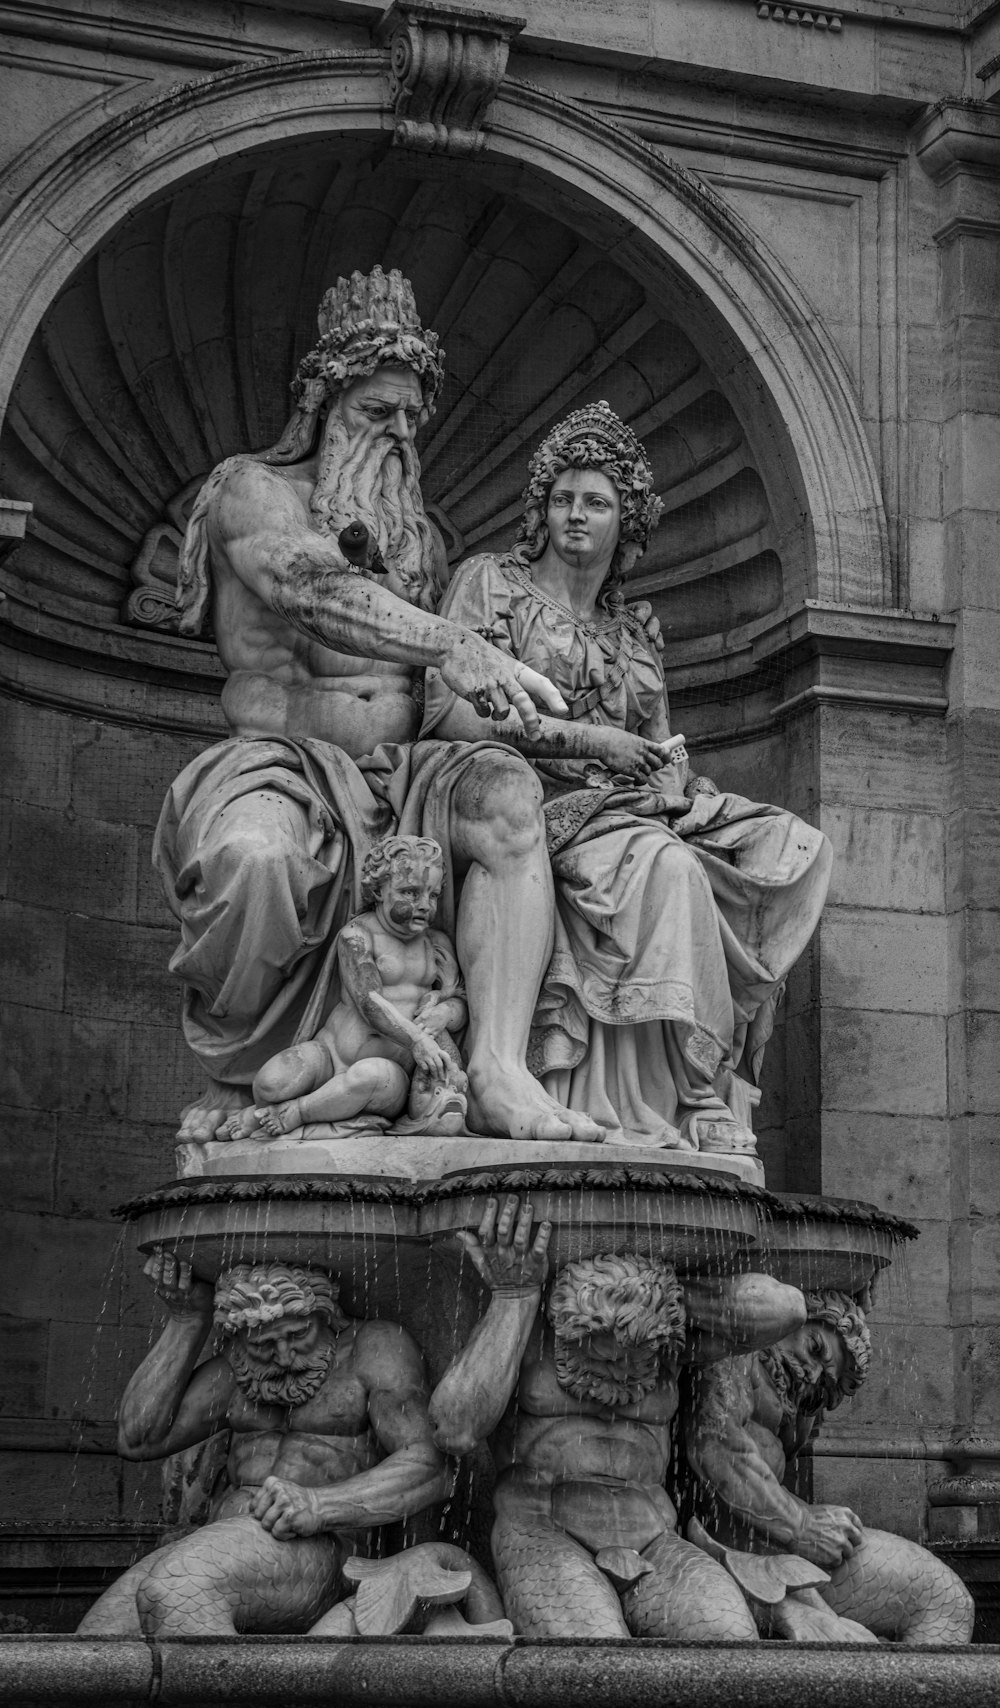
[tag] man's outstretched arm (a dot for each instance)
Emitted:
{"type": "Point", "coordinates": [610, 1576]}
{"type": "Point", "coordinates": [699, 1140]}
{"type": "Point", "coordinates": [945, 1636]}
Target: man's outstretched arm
{"type": "Point", "coordinates": [257, 523]}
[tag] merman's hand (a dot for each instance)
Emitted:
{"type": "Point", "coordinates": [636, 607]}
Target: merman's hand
{"type": "Point", "coordinates": [503, 1252]}
{"type": "Point", "coordinates": [494, 683]}
{"type": "Point", "coordinates": [176, 1286]}
{"type": "Point", "coordinates": [286, 1510]}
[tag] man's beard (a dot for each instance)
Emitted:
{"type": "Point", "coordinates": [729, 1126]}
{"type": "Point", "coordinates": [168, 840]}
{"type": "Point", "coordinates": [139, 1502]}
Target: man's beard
{"type": "Point", "coordinates": [377, 482]}
{"type": "Point", "coordinates": [798, 1393]}
{"type": "Point", "coordinates": [266, 1385]}
{"type": "Point", "coordinates": [587, 1378]}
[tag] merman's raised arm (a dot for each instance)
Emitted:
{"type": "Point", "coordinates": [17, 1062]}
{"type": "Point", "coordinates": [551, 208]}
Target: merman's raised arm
{"type": "Point", "coordinates": [478, 1385]}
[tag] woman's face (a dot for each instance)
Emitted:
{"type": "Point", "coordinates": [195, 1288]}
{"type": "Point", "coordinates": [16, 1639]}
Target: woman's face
{"type": "Point", "coordinates": [583, 516]}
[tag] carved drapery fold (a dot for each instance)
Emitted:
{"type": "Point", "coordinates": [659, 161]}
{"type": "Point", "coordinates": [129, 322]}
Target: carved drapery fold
{"type": "Point", "coordinates": [446, 67]}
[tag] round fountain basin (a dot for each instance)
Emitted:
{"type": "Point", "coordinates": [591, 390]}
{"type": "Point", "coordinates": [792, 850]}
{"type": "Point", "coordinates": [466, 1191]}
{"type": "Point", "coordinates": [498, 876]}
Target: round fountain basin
{"type": "Point", "coordinates": [392, 1241]}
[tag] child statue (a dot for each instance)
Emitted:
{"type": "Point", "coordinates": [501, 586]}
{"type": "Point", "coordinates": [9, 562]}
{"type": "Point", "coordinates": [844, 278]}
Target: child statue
{"type": "Point", "coordinates": [387, 1046]}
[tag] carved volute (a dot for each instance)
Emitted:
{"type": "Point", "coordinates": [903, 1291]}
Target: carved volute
{"type": "Point", "coordinates": [446, 65]}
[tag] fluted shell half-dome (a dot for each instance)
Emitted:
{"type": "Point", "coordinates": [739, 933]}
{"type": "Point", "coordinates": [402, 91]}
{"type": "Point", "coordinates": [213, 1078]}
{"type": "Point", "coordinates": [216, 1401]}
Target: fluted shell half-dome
{"type": "Point", "coordinates": [174, 347]}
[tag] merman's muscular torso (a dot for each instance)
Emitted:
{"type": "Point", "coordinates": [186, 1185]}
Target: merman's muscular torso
{"type": "Point", "coordinates": [599, 1469]}
{"type": "Point", "coordinates": [280, 681]}
{"type": "Point", "coordinates": [321, 1442]}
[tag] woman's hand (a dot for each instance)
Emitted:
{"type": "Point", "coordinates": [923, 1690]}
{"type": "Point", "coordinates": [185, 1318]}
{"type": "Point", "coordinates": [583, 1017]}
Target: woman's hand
{"type": "Point", "coordinates": [675, 755]}
{"type": "Point", "coordinates": [621, 751]}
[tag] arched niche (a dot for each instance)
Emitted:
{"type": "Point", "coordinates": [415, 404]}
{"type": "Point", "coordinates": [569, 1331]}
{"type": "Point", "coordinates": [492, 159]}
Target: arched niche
{"type": "Point", "coordinates": [165, 283]}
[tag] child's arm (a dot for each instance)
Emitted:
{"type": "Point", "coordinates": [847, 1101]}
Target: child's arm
{"type": "Point", "coordinates": [362, 982]}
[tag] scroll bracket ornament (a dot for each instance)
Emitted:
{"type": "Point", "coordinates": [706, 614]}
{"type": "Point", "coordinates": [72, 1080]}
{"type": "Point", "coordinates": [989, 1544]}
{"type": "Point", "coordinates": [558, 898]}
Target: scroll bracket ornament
{"type": "Point", "coordinates": [446, 65]}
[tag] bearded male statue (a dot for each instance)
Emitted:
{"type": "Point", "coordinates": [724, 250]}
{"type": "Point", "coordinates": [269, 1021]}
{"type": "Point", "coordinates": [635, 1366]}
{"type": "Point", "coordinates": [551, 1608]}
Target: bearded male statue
{"type": "Point", "coordinates": [262, 838]}
{"type": "Point", "coordinates": [329, 1438]}
{"type": "Point", "coordinates": [746, 1419]}
{"type": "Point", "coordinates": [577, 1397]}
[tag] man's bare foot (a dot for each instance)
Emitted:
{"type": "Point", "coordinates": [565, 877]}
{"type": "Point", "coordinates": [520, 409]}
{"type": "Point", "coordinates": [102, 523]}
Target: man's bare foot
{"type": "Point", "coordinates": [241, 1126]}
{"type": "Point", "coordinates": [280, 1118]}
{"type": "Point", "coordinates": [513, 1105]}
{"type": "Point", "coordinates": [201, 1120]}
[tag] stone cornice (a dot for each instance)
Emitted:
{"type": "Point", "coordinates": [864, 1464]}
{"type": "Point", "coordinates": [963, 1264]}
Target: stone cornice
{"type": "Point", "coordinates": [958, 137]}
{"type": "Point", "coordinates": [820, 653]}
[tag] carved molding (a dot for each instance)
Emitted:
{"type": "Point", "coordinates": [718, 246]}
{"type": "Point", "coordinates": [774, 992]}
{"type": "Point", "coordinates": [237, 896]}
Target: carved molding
{"type": "Point", "coordinates": [808, 17]}
{"type": "Point", "coordinates": [14, 513]}
{"type": "Point", "coordinates": [446, 65]}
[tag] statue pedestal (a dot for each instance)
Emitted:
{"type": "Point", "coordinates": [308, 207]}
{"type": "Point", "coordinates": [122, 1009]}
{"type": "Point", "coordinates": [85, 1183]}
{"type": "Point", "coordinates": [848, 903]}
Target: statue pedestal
{"type": "Point", "coordinates": [414, 1156]}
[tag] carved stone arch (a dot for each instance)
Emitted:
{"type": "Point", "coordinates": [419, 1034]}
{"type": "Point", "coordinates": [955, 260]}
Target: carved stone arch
{"type": "Point", "coordinates": [659, 222]}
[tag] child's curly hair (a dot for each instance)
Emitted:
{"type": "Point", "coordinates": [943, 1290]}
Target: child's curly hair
{"type": "Point", "coordinates": [380, 860]}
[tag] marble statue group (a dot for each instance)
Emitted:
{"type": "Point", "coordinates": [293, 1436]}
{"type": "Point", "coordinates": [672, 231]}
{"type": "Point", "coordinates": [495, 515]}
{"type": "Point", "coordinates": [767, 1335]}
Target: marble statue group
{"type": "Point", "coordinates": [451, 873]}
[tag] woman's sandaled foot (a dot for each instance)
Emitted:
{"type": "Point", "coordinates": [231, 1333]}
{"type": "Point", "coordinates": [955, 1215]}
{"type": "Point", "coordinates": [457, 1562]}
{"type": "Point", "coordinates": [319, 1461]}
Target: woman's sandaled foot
{"type": "Point", "coordinates": [513, 1104]}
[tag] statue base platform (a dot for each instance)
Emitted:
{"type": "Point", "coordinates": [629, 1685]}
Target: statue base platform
{"type": "Point", "coordinates": [416, 1157]}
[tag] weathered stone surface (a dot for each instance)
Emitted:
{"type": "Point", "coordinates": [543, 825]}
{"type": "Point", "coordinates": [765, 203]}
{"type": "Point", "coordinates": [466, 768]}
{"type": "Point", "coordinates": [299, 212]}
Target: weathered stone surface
{"type": "Point", "coordinates": [27, 1158]}
{"type": "Point", "coordinates": [885, 859]}
{"type": "Point", "coordinates": [23, 1350]}
{"type": "Point", "coordinates": [973, 866]}
{"type": "Point", "coordinates": [65, 1670]}
{"type": "Point", "coordinates": [881, 960]}
{"type": "Point", "coordinates": [35, 754]}
{"type": "Point", "coordinates": [892, 760]}
{"type": "Point", "coordinates": [120, 972]}
{"type": "Point", "coordinates": [56, 1061]}
{"type": "Point", "coordinates": [894, 1063]}
{"type": "Point", "coordinates": [55, 1269]}
{"type": "Point", "coordinates": [32, 953]}
{"type": "Point", "coordinates": [901, 1162]}
{"type": "Point", "coordinates": [36, 1484]}
{"type": "Point", "coordinates": [163, 1074]}
{"type": "Point", "coordinates": [100, 1161]}
{"type": "Point", "coordinates": [78, 865]}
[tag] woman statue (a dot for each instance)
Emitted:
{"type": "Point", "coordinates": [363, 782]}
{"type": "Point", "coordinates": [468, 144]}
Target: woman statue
{"type": "Point", "coordinates": [679, 909]}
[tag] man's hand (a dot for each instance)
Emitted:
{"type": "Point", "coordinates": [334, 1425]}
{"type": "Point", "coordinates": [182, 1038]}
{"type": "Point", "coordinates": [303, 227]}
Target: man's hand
{"type": "Point", "coordinates": [175, 1284]}
{"type": "Point", "coordinates": [503, 1253]}
{"type": "Point", "coordinates": [494, 683]}
{"type": "Point", "coordinates": [286, 1510]}
{"type": "Point", "coordinates": [830, 1535]}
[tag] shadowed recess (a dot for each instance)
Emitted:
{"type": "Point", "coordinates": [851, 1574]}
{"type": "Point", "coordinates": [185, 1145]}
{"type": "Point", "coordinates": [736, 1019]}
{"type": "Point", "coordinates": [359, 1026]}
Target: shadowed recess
{"type": "Point", "coordinates": [174, 347]}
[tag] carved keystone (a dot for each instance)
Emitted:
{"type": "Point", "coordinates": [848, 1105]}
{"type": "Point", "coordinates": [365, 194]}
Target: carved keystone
{"type": "Point", "coordinates": [446, 65]}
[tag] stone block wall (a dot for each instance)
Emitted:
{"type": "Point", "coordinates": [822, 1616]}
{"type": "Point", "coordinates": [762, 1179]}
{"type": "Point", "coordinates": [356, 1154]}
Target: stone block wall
{"type": "Point", "coordinates": [93, 1070]}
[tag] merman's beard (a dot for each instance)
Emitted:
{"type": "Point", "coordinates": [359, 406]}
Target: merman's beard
{"type": "Point", "coordinates": [798, 1393]}
{"type": "Point", "coordinates": [589, 1378]}
{"type": "Point", "coordinates": [266, 1384]}
{"type": "Point", "coordinates": [377, 482]}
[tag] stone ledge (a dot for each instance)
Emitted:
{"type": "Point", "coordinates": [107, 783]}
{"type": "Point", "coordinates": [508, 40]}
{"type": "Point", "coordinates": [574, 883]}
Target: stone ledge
{"type": "Point", "coordinates": [280, 1672]}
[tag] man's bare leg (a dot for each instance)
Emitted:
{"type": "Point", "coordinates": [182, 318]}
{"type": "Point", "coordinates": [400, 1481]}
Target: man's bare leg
{"type": "Point", "coordinates": [504, 940]}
